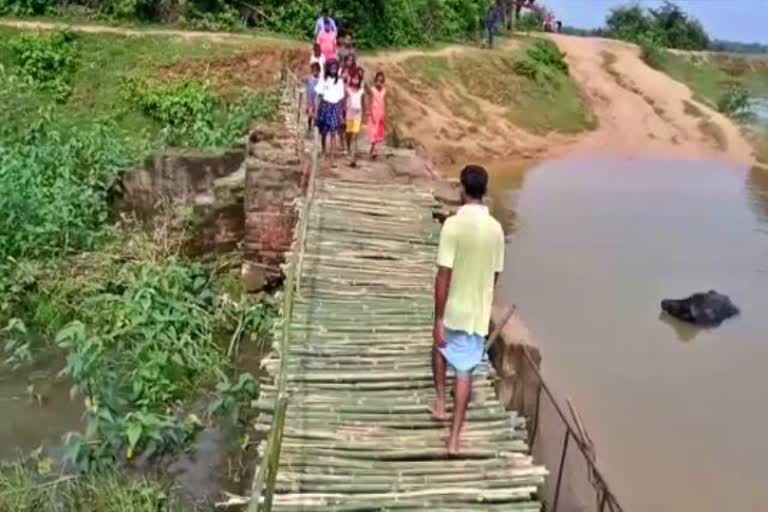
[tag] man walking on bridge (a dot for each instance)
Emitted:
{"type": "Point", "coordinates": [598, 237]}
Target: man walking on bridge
{"type": "Point", "coordinates": [470, 258]}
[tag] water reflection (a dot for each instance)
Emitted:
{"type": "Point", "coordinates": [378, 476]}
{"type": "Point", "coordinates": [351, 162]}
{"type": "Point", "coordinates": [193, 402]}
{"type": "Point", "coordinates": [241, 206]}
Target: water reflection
{"type": "Point", "coordinates": [759, 106]}
{"type": "Point", "coordinates": [505, 184]}
{"type": "Point", "coordinates": [757, 184]}
{"type": "Point", "coordinates": [684, 332]}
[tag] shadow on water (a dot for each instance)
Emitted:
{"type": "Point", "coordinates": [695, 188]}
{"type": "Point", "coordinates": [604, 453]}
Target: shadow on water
{"type": "Point", "coordinates": [593, 247]}
{"type": "Point", "coordinates": [683, 331]}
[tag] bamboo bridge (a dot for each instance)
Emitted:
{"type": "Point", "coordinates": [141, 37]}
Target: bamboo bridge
{"type": "Point", "coordinates": [345, 404]}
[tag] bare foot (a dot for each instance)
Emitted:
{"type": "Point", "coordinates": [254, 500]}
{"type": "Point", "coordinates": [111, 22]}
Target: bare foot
{"type": "Point", "coordinates": [454, 447]}
{"type": "Point", "coordinates": [438, 411]}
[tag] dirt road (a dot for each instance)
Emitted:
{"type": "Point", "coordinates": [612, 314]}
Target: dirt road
{"type": "Point", "coordinates": [640, 112]}
{"type": "Point", "coordinates": [643, 112]}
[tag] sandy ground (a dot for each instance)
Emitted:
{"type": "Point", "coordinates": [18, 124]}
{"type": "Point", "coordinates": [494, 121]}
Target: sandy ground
{"type": "Point", "coordinates": [640, 112]}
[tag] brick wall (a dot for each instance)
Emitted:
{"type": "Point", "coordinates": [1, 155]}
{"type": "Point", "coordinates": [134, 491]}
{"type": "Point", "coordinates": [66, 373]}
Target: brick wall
{"type": "Point", "coordinates": [275, 176]}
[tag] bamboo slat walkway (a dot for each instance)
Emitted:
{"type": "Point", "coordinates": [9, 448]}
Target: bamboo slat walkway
{"type": "Point", "coordinates": [358, 433]}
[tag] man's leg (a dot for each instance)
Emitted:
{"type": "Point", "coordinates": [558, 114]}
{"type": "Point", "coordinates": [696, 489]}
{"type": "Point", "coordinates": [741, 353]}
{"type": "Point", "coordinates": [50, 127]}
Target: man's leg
{"type": "Point", "coordinates": [461, 393]}
{"type": "Point", "coordinates": [438, 376]}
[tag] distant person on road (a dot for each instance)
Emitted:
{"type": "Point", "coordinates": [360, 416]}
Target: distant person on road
{"type": "Point", "coordinates": [376, 113]}
{"type": "Point", "coordinates": [470, 257]}
{"type": "Point", "coordinates": [492, 18]}
{"type": "Point", "coordinates": [327, 41]}
{"type": "Point", "coordinates": [325, 18]}
{"type": "Point", "coordinates": [310, 84]}
{"type": "Point", "coordinates": [330, 93]}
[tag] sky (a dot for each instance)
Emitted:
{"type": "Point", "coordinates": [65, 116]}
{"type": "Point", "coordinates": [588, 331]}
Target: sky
{"type": "Point", "coordinates": [735, 20]}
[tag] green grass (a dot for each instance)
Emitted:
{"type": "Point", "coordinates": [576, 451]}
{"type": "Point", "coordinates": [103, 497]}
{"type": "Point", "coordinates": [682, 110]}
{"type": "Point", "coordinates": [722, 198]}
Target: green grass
{"type": "Point", "coordinates": [105, 61]}
{"type": "Point", "coordinates": [431, 69]}
{"type": "Point", "coordinates": [545, 101]}
{"type": "Point", "coordinates": [708, 76]}
{"type": "Point", "coordinates": [25, 489]}
{"type": "Point", "coordinates": [552, 104]}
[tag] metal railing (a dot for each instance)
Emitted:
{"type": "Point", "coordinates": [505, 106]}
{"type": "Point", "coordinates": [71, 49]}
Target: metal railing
{"type": "Point", "coordinates": [565, 449]}
{"type": "Point", "coordinates": [263, 489]}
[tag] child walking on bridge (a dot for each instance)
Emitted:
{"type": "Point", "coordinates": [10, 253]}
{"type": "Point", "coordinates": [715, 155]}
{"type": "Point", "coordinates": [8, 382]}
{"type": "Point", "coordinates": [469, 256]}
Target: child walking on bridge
{"type": "Point", "coordinates": [354, 112]}
{"type": "Point", "coordinates": [310, 84]}
{"type": "Point", "coordinates": [376, 113]}
{"type": "Point", "coordinates": [330, 92]}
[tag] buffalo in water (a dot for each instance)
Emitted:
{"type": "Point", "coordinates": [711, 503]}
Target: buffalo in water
{"type": "Point", "coordinates": [703, 309]}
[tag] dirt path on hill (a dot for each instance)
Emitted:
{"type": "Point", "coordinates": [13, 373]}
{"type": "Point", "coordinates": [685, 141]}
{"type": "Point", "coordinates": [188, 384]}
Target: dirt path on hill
{"type": "Point", "coordinates": [643, 112]}
{"type": "Point", "coordinates": [218, 37]}
{"type": "Point", "coordinates": [640, 112]}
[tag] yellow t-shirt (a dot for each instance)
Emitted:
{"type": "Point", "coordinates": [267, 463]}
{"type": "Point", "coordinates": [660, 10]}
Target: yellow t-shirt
{"type": "Point", "coordinates": [472, 245]}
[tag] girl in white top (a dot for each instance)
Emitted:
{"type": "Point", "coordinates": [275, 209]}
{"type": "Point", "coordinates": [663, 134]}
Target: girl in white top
{"type": "Point", "coordinates": [330, 94]}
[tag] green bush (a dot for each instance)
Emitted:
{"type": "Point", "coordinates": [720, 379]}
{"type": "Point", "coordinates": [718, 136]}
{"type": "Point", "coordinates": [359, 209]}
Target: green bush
{"type": "Point", "coordinates": [55, 182]}
{"type": "Point", "coordinates": [543, 61]}
{"type": "Point", "coordinates": [142, 346]}
{"type": "Point", "coordinates": [190, 114]}
{"type": "Point", "coordinates": [734, 103]}
{"type": "Point", "coordinates": [26, 7]}
{"type": "Point", "coordinates": [47, 60]}
{"type": "Point", "coordinates": [652, 53]}
{"type": "Point", "coordinates": [549, 55]}
{"type": "Point", "coordinates": [527, 68]}
{"type": "Point", "coordinates": [668, 26]}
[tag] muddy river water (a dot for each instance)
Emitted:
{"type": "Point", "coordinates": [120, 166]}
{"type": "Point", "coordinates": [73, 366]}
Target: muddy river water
{"type": "Point", "coordinates": [679, 416]}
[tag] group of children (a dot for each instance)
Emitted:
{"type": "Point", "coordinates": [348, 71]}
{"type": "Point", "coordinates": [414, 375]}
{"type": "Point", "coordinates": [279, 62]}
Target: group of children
{"type": "Point", "coordinates": [338, 98]}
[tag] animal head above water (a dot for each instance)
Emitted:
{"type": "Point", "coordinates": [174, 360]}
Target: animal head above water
{"type": "Point", "coordinates": [708, 309]}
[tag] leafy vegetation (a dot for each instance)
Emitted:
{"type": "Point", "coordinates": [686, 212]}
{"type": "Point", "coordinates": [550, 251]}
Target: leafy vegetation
{"type": "Point", "coordinates": [47, 61]}
{"type": "Point", "coordinates": [144, 330]}
{"type": "Point", "coordinates": [734, 102]}
{"type": "Point", "coordinates": [651, 53]}
{"type": "Point", "coordinates": [375, 24]}
{"type": "Point", "coordinates": [191, 114]}
{"type": "Point", "coordinates": [667, 26]}
{"type": "Point", "coordinates": [142, 337]}
{"type": "Point", "coordinates": [59, 161]}
{"type": "Point", "coordinates": [543, 59]}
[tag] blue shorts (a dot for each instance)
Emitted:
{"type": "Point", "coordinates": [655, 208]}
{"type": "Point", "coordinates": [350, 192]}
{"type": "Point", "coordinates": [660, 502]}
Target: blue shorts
{"type": "Point", "coordinates": [463, 351]}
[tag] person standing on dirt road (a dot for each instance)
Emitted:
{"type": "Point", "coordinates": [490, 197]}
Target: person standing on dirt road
{"type": "Point", "coordinates": [324, 18]}
{"type": "Point", "coordinates": [470, 257]}
{"type": "Point", "coordinates": [492, 18]}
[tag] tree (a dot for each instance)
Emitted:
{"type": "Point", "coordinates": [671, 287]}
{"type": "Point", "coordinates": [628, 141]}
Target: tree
{"type": "Point", "coordinates": [679, 30]}
{"type": "Point", "coordinates": [667, 26]}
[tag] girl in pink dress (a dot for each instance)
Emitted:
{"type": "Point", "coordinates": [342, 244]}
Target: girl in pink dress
{"type": "Point", "coordinates": [376, 113]}
{"type": "Point", "coordinates": [327, 41]}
